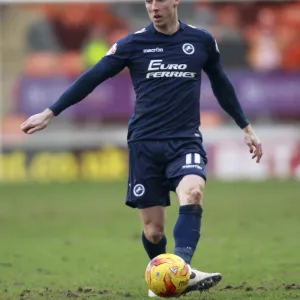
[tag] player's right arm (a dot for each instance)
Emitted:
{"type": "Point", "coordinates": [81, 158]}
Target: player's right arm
{"type": "Point", "coordinates": [114, 62]}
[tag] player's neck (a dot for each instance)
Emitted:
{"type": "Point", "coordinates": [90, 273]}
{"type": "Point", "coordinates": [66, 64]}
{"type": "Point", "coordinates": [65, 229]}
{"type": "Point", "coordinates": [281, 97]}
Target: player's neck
{"type": "Point", "coordinates": [170, 27]}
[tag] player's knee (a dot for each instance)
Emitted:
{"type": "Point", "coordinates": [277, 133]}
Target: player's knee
{"type": "Point", "coordinates": [194, 195]}
{"type": "Point", "coordinates": [154, 233]}
{"type": "Point", "coordinates": [190, 190]}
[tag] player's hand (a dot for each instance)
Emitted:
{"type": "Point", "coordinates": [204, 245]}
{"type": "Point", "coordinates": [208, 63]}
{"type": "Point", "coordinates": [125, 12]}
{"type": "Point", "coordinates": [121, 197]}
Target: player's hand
{"type": "Point", "coordinates": [37, 122]}
{"type": "Point", "coordinates": [253, 143]}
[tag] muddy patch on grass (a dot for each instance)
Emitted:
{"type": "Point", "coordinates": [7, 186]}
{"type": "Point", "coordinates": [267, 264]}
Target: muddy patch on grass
{"type": "Point", "coordinates": [292, 286]}
{"type": "Point", "coordinates": [43, 271]}
{"type": "Point", "coordinates": [5, 264]}
{"type": "Point", "coordinates": [89, 293]}
{"type": "Point", "coordinates": [249, 288]}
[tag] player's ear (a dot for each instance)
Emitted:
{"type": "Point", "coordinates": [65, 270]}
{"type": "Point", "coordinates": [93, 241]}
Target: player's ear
{"type": "Point", "coordinates": [176, 3]}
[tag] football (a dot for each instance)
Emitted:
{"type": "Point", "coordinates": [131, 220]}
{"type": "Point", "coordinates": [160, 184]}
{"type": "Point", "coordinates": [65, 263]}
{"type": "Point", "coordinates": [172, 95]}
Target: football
{"type": "Point", "coordinates": [167, 275]}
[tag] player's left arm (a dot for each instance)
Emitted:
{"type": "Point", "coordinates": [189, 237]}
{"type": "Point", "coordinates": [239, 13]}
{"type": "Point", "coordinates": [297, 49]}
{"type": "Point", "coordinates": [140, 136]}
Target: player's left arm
{"type": "Point", "coordinates": [227, 98]}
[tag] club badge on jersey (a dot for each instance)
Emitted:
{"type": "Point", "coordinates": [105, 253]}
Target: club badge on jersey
{"type": "Point", "coordinates": [112, 50]}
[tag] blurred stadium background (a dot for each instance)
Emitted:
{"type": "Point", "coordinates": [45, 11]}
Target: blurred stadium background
{"type": "Point", "coordinates": [64, 234]}
{"type": "Point", "coordinates": [45, 46]}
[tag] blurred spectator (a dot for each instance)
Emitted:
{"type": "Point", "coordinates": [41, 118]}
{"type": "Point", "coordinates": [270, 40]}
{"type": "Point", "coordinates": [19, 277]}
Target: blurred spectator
{"type": "Point", "coordinates": [95, 47]}
{"type": "Point", "coordinates": [205, 15]}
{"type": "Point", "coordinates": [264, 54]}
{"type": "Point", "coordinates": [71, 27]}
{"type": "Point", "coordinates": [101, 15]}
{"type": "Point", "coordinates": [40, 36]}
{"type": "Point", "coordinates": [288, 35]}
{"type": "Point", "coordinates": [229, 35]}
{"type": "Point", "coordinates": [248, 13]}
{"type": "Point", "coordinates": [227, 24]}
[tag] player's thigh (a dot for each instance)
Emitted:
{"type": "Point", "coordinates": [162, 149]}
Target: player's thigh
{"type": "Point", "coordinates": [153, 220]}
{"type": "Point", "coordinates": [147, 183]}
{"type": "Point", "coordinates": [187, 171]}
{"type": "Point", "coordinates": [190, 190]}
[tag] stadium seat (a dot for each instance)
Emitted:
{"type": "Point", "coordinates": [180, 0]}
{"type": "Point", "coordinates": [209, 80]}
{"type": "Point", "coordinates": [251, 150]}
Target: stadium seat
{"type": "Point", "coordinates": [71, 64]}
{"type": "Point", "coordinates": [41, 64]}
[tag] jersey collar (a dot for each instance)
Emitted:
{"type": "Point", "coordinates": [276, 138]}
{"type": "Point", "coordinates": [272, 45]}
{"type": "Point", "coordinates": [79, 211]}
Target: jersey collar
{"type": "Point", "coordinates": [152, 28]}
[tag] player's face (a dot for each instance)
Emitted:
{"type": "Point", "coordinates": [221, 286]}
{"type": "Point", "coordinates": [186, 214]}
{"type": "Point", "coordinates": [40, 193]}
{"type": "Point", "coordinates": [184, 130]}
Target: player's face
{"type": "Point", "coordinates": [162, 12]}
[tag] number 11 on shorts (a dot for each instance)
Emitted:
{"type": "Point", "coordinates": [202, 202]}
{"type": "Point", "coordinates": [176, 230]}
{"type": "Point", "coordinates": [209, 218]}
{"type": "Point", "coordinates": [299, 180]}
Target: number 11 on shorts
{"type": "Point", "coordinates": [192, 158]}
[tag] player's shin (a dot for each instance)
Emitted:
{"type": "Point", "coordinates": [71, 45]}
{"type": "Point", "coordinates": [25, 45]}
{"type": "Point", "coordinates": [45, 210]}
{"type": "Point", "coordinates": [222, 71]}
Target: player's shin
{"type": "Point", "coordinates": [154, 249]}
{"type": "Point", "coordinates": [187, 231]}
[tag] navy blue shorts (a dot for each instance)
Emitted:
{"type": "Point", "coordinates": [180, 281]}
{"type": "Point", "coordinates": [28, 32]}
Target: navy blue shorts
{"type": "Point", "coordinates": [157, 167]}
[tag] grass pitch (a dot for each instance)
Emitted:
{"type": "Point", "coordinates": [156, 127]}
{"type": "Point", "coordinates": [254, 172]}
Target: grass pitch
{"type": "Point", "coordinates": [79, 241]}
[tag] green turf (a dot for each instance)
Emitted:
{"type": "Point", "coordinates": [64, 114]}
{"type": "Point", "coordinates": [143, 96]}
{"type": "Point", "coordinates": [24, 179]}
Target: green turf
{"type": "Point", "coordinates": [79, 241]}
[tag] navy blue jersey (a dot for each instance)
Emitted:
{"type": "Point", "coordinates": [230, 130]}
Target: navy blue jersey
{"type": "Point", "coordinates": [166, 76]}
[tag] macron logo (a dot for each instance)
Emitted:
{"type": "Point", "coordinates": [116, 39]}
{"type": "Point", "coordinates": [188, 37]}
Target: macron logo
{"type": "Point", "coordinates": [153, 50]}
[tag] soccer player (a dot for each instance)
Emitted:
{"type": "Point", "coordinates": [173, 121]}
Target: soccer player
{"type": "Point", "coordinates": [166, 154]}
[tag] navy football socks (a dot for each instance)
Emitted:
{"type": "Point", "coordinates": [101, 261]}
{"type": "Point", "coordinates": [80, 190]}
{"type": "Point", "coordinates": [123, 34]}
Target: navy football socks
{"type": "Point", "coordinates": [154, 249]}
{"type": "Point", "coordinates": [187, 231]}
